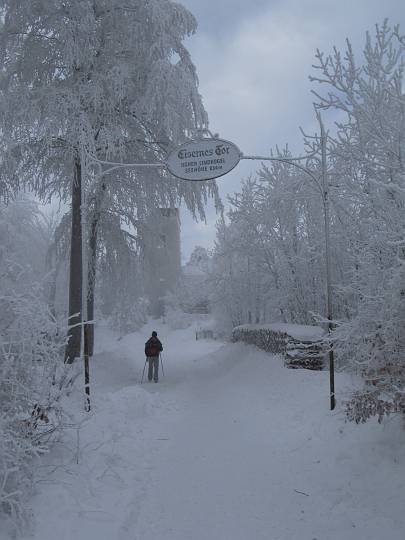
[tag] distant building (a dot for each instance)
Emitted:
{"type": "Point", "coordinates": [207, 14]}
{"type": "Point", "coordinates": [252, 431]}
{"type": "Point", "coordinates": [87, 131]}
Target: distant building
{"type": "Point", "coordinates": [162, 258]}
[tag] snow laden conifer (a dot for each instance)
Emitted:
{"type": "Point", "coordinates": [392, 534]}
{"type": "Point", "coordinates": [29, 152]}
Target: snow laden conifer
{"type": "Point", "coordinates": [85, 83]}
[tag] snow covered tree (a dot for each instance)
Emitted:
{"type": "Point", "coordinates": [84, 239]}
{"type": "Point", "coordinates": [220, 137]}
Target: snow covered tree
{"type": "Point", "coordinates": [233, 279]}
{"type": "Point", "coordinates": [269, 260]}
{"type": "Point", "coordinates": [200, 258]}
{"type": "Point", "coordinates": [275, 224]}
{"type": "Point", "coordinates": [25, 235]}
{"type": "Point", "coordinates": [120, 290]}
{"type": "Point", "coordinates": [88, 82]}
{"type": "Point", "coordinates": [194, 289]}
{"type": "Point", "coordinates": [368, 152]}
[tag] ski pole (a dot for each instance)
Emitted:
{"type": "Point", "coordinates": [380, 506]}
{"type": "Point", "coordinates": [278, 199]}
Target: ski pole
{"type": "Point", "coordinates": [161, 363]}
{"type": "Point", "coordinates": [143, 372]}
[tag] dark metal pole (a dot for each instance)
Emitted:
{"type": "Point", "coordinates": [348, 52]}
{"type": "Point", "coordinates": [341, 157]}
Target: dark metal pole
{"type": "Point", "coordinates": [325, 199]}
{"type": "Point", "coordinates": [323, 187]}
{"type": "Point", "coordinates": [73, 347]}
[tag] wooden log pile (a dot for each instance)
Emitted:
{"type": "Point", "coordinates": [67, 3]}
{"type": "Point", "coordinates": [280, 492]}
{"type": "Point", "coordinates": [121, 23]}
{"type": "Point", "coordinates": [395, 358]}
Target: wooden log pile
{"type": "Point", "coordinates": [301, 346]}
{"type": "Point", "coordinates": [264, 338]}
{"type": "Point", "coordinates": [304, 354]}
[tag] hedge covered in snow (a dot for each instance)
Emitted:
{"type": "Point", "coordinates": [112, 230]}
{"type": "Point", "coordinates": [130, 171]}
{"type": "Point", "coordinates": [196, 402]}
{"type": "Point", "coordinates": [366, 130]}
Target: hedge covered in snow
{"type": "Point", "coordinates": [300, 345]}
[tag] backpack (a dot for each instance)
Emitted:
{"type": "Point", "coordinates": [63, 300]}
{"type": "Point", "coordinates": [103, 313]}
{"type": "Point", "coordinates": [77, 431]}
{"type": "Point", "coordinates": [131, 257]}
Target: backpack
{"type": "Point", "coordinates": [152, 347]}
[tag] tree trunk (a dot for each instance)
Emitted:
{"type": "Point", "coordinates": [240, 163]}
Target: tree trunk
{"type": "Point", "coordinates": [92, 262]}
{"type": "Point", "coordinates": [75, 278]}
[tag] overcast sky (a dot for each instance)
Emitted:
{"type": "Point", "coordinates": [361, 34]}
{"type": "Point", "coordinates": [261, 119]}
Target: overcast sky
{"type": "Point", "coordinates": [253, 58]}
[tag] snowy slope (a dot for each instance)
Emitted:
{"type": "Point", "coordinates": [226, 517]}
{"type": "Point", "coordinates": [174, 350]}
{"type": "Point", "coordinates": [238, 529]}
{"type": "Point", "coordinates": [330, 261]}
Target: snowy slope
{"type": "Point", "coordinates": [228, 445]}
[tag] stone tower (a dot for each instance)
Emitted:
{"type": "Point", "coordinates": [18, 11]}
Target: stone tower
{"type": "Point", "coordinates": [162, 259]}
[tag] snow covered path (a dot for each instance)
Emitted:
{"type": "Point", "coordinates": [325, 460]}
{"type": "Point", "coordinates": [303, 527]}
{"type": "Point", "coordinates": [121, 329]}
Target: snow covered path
{"type": "Point", "coordinates": [230, 445]}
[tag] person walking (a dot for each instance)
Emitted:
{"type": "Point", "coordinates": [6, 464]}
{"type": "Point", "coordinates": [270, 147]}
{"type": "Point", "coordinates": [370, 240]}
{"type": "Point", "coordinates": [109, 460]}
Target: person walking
{"type": "Point", "coordinates": [153, 348]}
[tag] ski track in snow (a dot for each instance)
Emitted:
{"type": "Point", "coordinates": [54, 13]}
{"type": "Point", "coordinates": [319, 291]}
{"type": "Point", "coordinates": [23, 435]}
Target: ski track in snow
{"type": "Point", "coordinates": [229, 445]}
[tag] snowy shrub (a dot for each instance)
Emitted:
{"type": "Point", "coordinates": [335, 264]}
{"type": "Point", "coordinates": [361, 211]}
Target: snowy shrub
{"type": "Point", "coordinates": [373, 345]}
{"type": "Point", "coordinates": [33, 380]}
{"type": "Point", "coordinates": [366, 404]}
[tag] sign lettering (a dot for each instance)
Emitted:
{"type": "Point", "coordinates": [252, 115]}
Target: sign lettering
{"type": "Point", "coordinates": [204, 159]}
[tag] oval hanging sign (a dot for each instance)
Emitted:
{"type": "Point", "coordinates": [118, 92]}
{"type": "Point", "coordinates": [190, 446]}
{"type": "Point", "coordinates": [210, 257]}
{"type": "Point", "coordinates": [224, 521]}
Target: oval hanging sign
{"type": "Point", "coordinates": [204, 159]}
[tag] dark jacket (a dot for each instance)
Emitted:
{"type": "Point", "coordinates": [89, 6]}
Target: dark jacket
{"type": "Point", "coordinates": [153, 347]}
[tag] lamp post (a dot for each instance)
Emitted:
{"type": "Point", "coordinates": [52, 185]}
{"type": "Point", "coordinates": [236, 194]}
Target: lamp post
{"type": "Point", "coordinates": [323, 187]}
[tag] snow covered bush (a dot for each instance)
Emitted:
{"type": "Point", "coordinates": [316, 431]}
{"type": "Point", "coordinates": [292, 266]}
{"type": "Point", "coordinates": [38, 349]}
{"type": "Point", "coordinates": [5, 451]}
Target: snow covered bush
{"type": "Point", "coordinates": [373, 345]}
{"type": "Point", "coordinates": [33, 380]}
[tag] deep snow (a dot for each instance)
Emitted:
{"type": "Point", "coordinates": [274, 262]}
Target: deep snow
{"type": "Point", "coordinates": [229, 445]}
